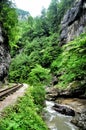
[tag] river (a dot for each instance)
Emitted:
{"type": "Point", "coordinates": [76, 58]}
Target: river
{"type": "Point", "coordinates": [55, 120]}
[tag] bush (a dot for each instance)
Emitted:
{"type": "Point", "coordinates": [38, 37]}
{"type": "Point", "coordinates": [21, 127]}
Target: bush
{"type": "Point", "coordinates": [39, 75]}
{"type": "Point", "coordinates": [38, 94]}
{"type": "Point", "coordinates": [22, 116]}
{"type": "Point", "coordinates": [19, 69]}
{"type": "Point", "coordinates": [9, 21]}
{"type": "Point", "coordinates": [71, 63]}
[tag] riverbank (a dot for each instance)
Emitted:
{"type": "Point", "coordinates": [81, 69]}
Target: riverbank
{"type": "Point", "coordinates": [79, 106]}
{"type": "Point", "coordinates": [55, 120]}
{"type": "Point", "coordinates": [76, 104]}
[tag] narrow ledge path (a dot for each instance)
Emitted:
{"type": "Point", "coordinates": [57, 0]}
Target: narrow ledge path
{"type": "Point", "coordinates": [11, 99]}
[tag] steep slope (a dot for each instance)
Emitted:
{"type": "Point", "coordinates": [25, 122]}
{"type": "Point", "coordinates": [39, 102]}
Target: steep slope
{"type": "Point", "coordinates": [74, 22]}
{"type": "Point", "coordinates": [4, 55]}
{"type": "Point", "coordinates": [8, 34]}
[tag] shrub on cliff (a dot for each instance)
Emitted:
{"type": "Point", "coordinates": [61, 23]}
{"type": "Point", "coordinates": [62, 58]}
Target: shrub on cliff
{"type": "Point", "coordinates": [71, 64]}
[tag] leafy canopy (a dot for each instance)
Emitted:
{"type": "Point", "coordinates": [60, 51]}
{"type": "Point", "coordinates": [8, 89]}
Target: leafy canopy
{"type": "Point", "coordinates": [8, 20]}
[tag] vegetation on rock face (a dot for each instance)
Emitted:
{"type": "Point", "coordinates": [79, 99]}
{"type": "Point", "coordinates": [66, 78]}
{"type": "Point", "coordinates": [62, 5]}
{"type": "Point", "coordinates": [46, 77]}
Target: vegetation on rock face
{"type": "Point", "coordinates": [71, 63]}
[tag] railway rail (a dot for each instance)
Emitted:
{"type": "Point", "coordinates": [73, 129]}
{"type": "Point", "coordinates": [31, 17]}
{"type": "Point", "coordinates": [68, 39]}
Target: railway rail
{"type": "Point", "coordinates": [8, 91]}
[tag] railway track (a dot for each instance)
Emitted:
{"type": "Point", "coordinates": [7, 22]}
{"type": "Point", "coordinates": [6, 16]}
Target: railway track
{"type": "Point", "coordinates": [9, 91]}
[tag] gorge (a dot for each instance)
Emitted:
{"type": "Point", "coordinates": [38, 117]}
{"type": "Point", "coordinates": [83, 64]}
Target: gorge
{"type": "Point", "coordinates": [50, 51]}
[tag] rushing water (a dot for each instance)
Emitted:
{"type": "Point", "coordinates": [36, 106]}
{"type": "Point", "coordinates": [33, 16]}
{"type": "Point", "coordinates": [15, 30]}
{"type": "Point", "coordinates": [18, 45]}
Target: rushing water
{"type": "Point", "coordinates": [56, 121]}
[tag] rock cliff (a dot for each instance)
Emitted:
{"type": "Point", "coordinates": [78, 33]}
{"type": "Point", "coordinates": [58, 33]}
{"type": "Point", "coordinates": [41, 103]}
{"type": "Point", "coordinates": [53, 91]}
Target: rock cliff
{"type": "Point", "coordinates": [4, 55]}
{"type": "Point", "coordinates": [74, 22]}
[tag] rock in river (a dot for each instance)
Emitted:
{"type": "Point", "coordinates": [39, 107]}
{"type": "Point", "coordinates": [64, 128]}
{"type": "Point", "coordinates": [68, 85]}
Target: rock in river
{"type": "Point", "coordinates": [64, 109]}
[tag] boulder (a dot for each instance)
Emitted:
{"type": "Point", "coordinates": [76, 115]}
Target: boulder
{"type": "Point", "coordinates": [80, 120]}
{"type": "Point", "coordinates": [64, 109]}
{"type": "Point", "coordinates": [52, 93]}
{"type": "Point", "coordinates": [74, 90]}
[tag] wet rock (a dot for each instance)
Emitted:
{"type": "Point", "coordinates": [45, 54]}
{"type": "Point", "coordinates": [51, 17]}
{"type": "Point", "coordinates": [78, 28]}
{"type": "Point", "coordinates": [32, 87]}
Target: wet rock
{"type": "Point", "coordinates": [80, 120]}
{"type": "Point", "coordinates": [74, 22]}
{"type": "Point", "coordinates": [54, 80]}
{"type": "Point", "coordinates": [74, 90]}
{"type": "Point", "coordinates": [52, 93]}
{"type": "Point", "coordinates": [63, 109]}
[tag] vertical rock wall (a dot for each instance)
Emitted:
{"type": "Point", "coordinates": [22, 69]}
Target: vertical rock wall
{"type": "Point", "coordinates": [4, 55]}
{"type": "Point", "coordinates": [74, 22]}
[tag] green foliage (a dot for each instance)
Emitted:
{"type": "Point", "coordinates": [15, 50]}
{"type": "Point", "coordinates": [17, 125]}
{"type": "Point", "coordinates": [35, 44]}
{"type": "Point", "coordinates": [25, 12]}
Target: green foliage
{"type": "Point", "coordinates": [55, 13]}
{"type": "Point", "coordinates": [71, 64]}
{"type": "Point", "coordinates": [23, 115]}
{"type": "Point", "coordinates": [40, 51]}
{"type": "Point", "coordinates": [19, 69]}
{"type": "Point", "coordinates": [51, 51]}
{"type": "Point", "coordinates": [8, 20]}
{"type": "Point", "coordinates": [55, 65]}
{"type": "Point", "coordinates": [39, 75]}
{"type": "Point", "coordinates": [44, 20]}
{"type": "Point", "coordinates": [52, 15]}
{"type": "Point", "coordinates": [46, 24]}
{"type": "Point", "coordinates": [38, 93]}
{"type": "Point", "coordinates": [43, 51]}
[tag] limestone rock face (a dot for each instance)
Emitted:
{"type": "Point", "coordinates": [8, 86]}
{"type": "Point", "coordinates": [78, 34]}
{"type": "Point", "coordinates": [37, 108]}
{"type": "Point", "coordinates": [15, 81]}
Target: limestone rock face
{"type": "Point", "coordinates": [74, 22]}
{"type": "Point", "coordinates": [4, 55]}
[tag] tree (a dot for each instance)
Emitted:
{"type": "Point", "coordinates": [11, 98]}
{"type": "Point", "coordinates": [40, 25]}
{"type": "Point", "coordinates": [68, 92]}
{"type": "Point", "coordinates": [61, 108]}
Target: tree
{"type": "Point", "coordinates": [44, 21]}
{"type": "Point", "coordinates": [55, 13]}
{"type": "Point", "coordinates": [8, 20]}
{"type": "Point", "coordinates": [30, 21]}
{"type": "Point", "coordinates": [52, 15]}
